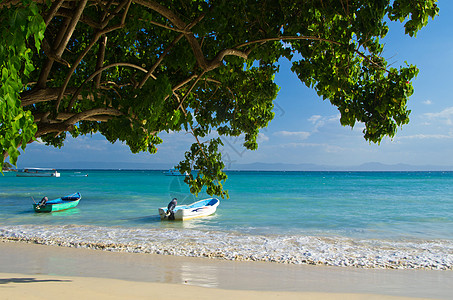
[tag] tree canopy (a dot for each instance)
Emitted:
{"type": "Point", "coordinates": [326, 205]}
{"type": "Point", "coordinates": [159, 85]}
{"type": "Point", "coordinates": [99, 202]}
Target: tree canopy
{"type": "Point", "coordinates": [131, 69]}
{"type": "Point", "coordinates": [7, 166]}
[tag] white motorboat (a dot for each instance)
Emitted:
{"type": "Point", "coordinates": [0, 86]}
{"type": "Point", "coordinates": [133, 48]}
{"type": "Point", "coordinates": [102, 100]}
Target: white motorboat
{"type": "Point", "coordinates": [37, 172]}
{"type": "Point", "coordinates": [197, 209]}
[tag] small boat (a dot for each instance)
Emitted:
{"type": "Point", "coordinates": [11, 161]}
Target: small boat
{"type": "Point", "coordinates": [197, 209]}
{"type": "Point", "coordinates": [175, 172]}
{"type": "Point", "coordinates": [37, 172]}
{"type": "Point", "coordinates": [62, 203]}
{"type": "Point", "coordinates": [79, 175]}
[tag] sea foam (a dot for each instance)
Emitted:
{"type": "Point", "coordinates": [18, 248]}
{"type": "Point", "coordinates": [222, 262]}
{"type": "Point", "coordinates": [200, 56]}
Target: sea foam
{"type": "Point", "coordinates": [293, 249]}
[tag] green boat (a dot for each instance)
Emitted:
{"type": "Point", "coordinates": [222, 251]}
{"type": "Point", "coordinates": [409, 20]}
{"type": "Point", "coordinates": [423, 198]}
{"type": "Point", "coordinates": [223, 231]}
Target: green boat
{"type": "Point", "coordinates": [62, 203]}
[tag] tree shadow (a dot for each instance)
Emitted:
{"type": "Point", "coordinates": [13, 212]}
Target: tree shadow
{"type": "Point", "coordinates": [29, 280]}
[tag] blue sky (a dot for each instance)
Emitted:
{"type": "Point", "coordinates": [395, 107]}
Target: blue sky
{"type": "Point", "coordinates": [306, 129]}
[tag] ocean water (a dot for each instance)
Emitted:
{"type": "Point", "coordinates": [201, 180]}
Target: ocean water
{"type": "Point", "coordinates": [360, 219]}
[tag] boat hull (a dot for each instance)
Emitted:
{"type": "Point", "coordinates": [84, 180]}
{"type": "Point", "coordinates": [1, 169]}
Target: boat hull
{"type": "Point", "coordinates": [21, 174]}
{"type": "Point", "coordinates": [62, 203]}
{"type": "Point", "coordinates": [199, 209]}
{"type": "Point", "coordinates": [37, 172]}
{"type": "Point", "coordinates": [175, 172]}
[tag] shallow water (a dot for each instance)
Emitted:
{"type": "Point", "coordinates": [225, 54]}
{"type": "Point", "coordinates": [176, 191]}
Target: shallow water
{"type": "Point", "coordinates": [364, 219]}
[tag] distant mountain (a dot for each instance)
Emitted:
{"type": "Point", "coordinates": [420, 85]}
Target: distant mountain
{"type": "Point", "coordinates": [258, 166]}
{"type": "Point", "coordinates": [278, 167]}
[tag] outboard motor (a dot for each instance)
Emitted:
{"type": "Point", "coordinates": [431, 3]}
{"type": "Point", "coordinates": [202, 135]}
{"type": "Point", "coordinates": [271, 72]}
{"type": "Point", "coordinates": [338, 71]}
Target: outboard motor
{"type": "Point", "coordinates": [43, 202]}
{"type": "Point", "coordinates": [171, 206]}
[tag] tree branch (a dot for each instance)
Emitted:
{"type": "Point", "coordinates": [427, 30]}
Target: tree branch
{"type": "Point", "coordinates": [68, 124]}
{"type": "Point", "coordinates": [53, 10]}
{"type": "Point", "coordinates": [67, 13]}
{"type": "Point", "coordinates": [85, 52]}
{"type": "Point", "coordinates": [181, 25]}
{"type": "Point", "coordinates": [101, 50]}
{"type": "Point", "coordinates": [41, 117]}
{"type": "Point", "coordinates": [45, 128]}
{"type": "Point", "coordinates": [92, 112]}
{"type": "Point", "coordinates": [217, 61]}
{"type": "Point", "coordinates": [190, 89]}
{"type": "Point", "coordinates": [79, 89]}
{"type": "Point", "coordinates": [100, 60]}
{"type": "Point", "coordinates": [287, 38]}
{"type": "Point", "coordinates": [182, 83]}
{"type": "Point", "coordinates": [42, 95]}
{"type": "Point", "coordinates": [45, 71]}
{"type": "Point", "coordinates": [72, 25]}
{"type": "Point", "coordinates": [159, 60]}
{"type": "Point", "coordinates": [162, 10]}
{"type": "Point", "coordinates": [314, 38]}
{"type": "Point", "coordinates": [164, 26]}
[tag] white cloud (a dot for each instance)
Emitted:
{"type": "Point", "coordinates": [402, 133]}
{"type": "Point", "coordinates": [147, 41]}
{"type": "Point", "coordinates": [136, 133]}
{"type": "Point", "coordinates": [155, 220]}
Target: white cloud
{"type": "Point", "coordinates": [262, 137]}
{"type": "Point", "coordinates": [334, 118]}
{"type": "Point", "coordinates": [427, 102]}
{"type": "Point", "coordinates": [445, 116]}
{"type": "Point", "coordinates": [359, 127]}
{"type": "Point", "coordinates": [320, 121]}
{"type": "Point", "coordinates": [83, 143]}
{"type": "Point", "coordinates": [40, 141]}
{"type": "Point", "coordinates": [426, 136]}
{"type": "Point", "coordinates": [315, 118]}
{"type": "Point", "coordinates": [301, 135]}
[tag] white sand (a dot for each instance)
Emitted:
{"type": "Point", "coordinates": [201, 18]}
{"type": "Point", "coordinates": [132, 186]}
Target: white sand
{"type": "Point", "coordinates": [31, 271]}
{"type": "Point", "coordinates": [19, 286]}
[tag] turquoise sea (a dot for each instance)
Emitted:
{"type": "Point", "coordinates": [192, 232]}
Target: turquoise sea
{"type": "Point", "coordinates": [362, 219]}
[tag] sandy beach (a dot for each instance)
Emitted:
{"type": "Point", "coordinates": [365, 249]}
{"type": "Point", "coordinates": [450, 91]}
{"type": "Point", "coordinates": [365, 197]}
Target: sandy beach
{"type": "Point", "coordinates": [30, 271]}
{"type": "Point", "coordinates": [20, 286]}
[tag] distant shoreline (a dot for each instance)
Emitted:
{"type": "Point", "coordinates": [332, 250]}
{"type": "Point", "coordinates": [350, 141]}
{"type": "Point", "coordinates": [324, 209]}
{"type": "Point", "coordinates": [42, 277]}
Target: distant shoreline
{"type": "Point", "coordinates": [257, 166]}
{"type": "Point", "coordinates": [253, 170]}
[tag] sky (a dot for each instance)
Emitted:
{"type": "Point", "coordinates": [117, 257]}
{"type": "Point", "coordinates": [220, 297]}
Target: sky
{"type": "Point", "coordinates": [306, 129]}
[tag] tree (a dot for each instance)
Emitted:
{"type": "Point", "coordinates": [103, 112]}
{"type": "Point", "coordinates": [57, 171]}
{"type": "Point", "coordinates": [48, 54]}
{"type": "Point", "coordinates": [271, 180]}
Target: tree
{"type": "Point", "coordinates": [131, 69]}
{"type": "Point", "coordinates": [7, 166]}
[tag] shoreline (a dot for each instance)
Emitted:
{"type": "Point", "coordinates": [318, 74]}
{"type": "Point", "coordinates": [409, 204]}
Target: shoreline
{"type": "Point", "coordinates": [206, 277]}
{"type": "Point", "coordinates": [234, 246]}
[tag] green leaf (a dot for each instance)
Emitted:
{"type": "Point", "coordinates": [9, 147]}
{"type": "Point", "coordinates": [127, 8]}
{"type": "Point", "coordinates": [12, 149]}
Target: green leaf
{"type": "Point", "coordinates": [209, 69]}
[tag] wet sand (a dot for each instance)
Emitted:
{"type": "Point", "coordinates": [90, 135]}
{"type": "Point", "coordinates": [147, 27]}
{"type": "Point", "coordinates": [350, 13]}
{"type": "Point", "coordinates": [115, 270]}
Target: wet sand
{"type": "Point", "coordinates": [30, 271]}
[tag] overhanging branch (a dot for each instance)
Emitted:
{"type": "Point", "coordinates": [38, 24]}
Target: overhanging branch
{"type": "Point", "coordinates": [92, 112]}
{"type": "Point", "coordinates": [79, 89]}
{"type": "Point", "coordinates": [92, 43]}
{"type": "Point", "coordinates": [95, 114]}
{"type": "Point", "coordinates": [42, 95]}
